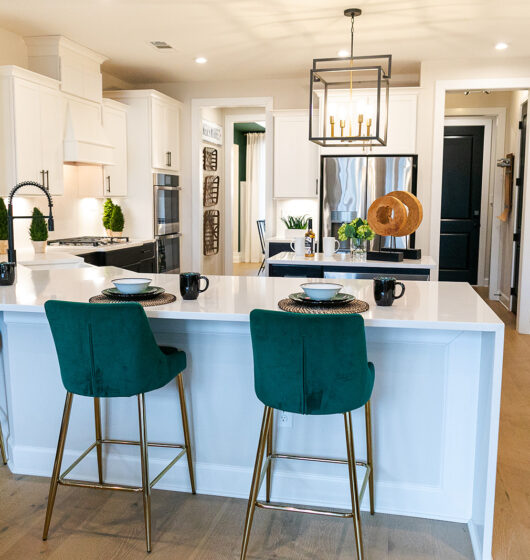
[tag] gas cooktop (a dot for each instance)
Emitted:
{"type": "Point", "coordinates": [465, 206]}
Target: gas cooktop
{"type": "Point", "coordinates": [89, 241]}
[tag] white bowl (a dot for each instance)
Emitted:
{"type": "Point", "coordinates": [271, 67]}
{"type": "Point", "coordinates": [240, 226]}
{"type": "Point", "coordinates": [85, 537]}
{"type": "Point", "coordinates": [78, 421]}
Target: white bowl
{"type": "Point", "coordinates": [321, 291]}
{"type": "Point", "coordinates": [131, 285]}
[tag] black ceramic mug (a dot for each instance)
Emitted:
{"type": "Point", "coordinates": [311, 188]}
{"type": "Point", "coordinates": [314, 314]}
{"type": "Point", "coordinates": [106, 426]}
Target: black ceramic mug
{"type": "Point", "coordinates": [385, 290]}
{"type": "Point", "coordinates": [7, 273]}
{"type": "Point", "coordinates": [190, 285]}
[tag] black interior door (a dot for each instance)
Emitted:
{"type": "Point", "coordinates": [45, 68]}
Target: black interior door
{"type": "Point", "coordinates": [461, 197]}
{"type": "Point", "coordinates": [519, 214]}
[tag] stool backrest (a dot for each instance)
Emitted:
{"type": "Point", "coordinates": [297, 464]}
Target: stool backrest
{"type": "Point", "coordinates": [261, 232]}
{"type": "Point", "coordinates": [310, 364]}
{"type": "Point", "coordinates": [105, 350]}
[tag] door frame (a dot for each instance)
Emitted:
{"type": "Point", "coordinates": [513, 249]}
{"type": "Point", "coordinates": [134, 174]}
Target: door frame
{"type": "Point", "coordinates": [230, 120]}
{"type": "Point", "coordinates": [440, 89]}
{"type": "Point", "coordinates": [197, 104]}
{"type": "Point", "coordinates": [486, 185]}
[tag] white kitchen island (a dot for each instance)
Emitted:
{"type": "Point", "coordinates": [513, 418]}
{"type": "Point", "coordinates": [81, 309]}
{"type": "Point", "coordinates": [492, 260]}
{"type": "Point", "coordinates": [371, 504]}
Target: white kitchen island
{"type": "Point", "coordinates": [438, 362]}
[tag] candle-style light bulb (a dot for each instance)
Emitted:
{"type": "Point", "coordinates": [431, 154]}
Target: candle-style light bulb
{"type": "Point", "coordinates": [342, 124]}
{"type": "Point", "coordinates": [332, 123]}
{"type": "Point", "coordinates": [368, 126]}
{"type": "Point", "coordinates": [360, 119]}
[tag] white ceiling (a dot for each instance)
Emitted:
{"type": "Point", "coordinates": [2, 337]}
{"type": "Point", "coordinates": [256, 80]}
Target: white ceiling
{"type": "Point", "coordinates": [249, 39]}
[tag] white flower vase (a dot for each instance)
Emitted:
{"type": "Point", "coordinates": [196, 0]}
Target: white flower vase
{"type": "Point", "coordinates": [294, 233]}
{"type": "Point", "coordinates": [39, 246]}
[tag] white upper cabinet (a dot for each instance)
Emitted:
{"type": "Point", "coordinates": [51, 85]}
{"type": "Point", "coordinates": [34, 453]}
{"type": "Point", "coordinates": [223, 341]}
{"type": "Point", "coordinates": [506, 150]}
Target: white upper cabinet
{"type": "Point", "coordinates": [32, 122]}
{"type": "Point", "coordinates": [165, 134]}
{"type": "Point", "coordinates": [296, 159]}
{"type": "Point", "coordinates": [115, 125]}
{"type": "Point", "coordinates": [155, 126]}
{"type": "Point", "coordinates": [402, 119]}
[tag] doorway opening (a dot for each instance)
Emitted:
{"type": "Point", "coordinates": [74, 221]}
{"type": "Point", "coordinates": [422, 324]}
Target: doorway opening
{"type": "Point", "coordinates": [248, 169]}
{"type": "Point", "coordinates": [478, 235]}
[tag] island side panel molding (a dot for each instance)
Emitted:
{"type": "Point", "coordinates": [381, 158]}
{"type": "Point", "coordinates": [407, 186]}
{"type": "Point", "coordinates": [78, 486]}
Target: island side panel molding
{"type": "Point", "coordinates": [425, 399]}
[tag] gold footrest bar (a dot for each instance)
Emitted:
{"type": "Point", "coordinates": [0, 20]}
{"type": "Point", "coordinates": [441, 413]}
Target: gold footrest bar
{"type": "Point", "coordinates": [131, 442]}
{"type": "Point", "coordinates": [99, 486]}
{"type": "Point", "coordinates": [295, 509]}
{"type": "Point", "coordinates": [104, 486]}
{"type": "Point", "coordinates": [316, 459]}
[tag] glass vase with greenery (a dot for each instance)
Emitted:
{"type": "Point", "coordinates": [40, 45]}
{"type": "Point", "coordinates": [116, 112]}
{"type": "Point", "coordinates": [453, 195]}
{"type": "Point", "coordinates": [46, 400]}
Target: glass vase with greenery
{"type": "Point", "coordinates": [358, 232]}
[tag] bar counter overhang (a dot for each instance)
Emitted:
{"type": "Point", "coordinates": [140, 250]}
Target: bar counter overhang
{"type": "Point", "coordinates": [438, 362]}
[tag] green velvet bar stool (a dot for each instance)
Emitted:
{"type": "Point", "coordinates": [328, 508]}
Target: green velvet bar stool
{"type": "Point", "coordinates": [316, 365]}
{"type": "Point", "coordinates": [105, 351]}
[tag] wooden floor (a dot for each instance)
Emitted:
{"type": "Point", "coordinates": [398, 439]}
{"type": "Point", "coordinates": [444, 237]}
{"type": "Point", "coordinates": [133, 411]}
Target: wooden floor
{"type": "Point", "coordinates": [245, 269]}
{"type": "Point", "coordinates": [90, 524]}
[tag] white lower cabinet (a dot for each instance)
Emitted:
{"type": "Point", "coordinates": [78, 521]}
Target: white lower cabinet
{"type": "Point", "coordinates": [32, 113]}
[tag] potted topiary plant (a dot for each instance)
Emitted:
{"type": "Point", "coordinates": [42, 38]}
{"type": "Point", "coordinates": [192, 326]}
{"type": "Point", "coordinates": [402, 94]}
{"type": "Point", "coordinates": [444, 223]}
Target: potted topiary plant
{"type": "Point", "coordinates": [296, 225]}
{"type": "Point", "coordinates": [117, 221]}
{"type": "Point", "coordinates": [107, 215]}
{"type": "Point", "coordinates": [3, 227]}
{"type": "Point", "coordinates": [38, 231]}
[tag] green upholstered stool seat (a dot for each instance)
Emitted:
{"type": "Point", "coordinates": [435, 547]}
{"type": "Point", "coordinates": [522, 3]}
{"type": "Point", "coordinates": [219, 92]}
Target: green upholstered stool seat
{"type": "Point", "coordinates": [110, 351]}
{"type": "Point", "coordinates": [312, 365]}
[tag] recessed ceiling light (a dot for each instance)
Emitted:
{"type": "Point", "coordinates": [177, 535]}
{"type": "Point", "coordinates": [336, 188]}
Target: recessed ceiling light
{"type": "Point", "coordinates": [501, 46]}
{"type": "Point", "coordinates": [201, 60]}
{"type": "Point", "coordinates": [343, 53]}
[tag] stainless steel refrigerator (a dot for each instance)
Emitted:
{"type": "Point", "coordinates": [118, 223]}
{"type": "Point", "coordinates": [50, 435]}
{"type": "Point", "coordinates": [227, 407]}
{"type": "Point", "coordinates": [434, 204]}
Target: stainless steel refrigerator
{"type": "Point", "coordinates": [351, 183]}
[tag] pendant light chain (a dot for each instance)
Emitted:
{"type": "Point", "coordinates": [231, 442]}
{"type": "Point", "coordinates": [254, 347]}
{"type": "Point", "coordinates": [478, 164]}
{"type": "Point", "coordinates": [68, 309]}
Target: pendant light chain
{"type": "Point", "coordinates": [351, 39]}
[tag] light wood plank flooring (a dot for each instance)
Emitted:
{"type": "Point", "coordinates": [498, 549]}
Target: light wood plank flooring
{"type": "Point", "coordinates": [89, 525]}
{"type": "Point", "coordinates": [246, 269]}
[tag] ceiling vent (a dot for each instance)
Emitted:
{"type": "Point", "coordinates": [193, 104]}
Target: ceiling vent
{"type": "Point", "coordinates": [161, 45]}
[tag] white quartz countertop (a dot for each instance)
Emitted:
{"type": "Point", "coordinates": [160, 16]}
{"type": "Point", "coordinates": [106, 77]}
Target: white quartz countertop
{"type": "Point", "coordinates": [28, 257]}
{"type": "Point", "coordinates": [425, 305]}
{"type": "Point", "coordinates": [83, 249]}
{"type": "Point", "coordinates": [344, 259]}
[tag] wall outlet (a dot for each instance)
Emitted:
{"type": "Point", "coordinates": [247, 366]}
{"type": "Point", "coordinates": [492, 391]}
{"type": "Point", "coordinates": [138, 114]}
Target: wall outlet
{"type": "Point", "coordinates": [285, 419]}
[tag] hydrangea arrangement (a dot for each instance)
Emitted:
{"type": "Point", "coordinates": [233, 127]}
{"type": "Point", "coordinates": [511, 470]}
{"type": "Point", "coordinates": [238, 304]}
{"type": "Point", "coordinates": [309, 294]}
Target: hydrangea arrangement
{"type": "Point", "coordinates": [356, 229]}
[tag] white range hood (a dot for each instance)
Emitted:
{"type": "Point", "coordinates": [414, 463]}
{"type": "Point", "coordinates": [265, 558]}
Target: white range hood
{"type": "Point", "coordinates": [85, 140]}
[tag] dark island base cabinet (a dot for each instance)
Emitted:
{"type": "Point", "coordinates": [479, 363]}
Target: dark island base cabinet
{"type": "Point", "coordinates": [311, 271]}
{"type": "Point", "coordinates": [136, 259]}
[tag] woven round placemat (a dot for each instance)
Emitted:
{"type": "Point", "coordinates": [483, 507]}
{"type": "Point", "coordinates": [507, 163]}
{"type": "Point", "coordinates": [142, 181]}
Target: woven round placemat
{"type": "Point", "coordinates": [162, 299]}
{"type": "Point", "coordinates": [356, 306]}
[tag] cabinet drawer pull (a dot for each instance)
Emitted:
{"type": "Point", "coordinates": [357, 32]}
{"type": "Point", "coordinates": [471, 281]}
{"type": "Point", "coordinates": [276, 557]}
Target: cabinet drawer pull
{"type": "Point", "coordinates": [47, 180]}
{"type": "Point", "coordinates": [108, 183]}
{"type": "Point", "coordinates": [316, 189]}
{"type": "Point", "coordinates": [168, 159]}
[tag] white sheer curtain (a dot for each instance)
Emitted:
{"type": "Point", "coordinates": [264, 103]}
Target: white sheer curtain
{"type": "Point", "coordinates": [253, 198]}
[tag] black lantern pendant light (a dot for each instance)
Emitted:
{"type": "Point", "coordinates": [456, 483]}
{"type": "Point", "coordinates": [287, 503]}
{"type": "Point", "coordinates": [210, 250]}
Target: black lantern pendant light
{"type": "Point", "coordinates": [349, 98]}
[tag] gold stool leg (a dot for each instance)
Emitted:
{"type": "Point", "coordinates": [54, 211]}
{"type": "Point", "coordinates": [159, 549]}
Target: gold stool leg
{"type": "Point", "coordinates": [146, 488]}
{"type": "Point", "coordinates": [353, 486]}
{"type": "Point", "coordinates": [187, 441]}
{"type": "Point", "coordinates": [369, 454]}
{"type": "Point", "coordinates": [2, 448]}
{"type": "Point", "coordinates": [97, 420]}
{"type": "Point", "coordinates": [269, 453]}
{"type": "Point", "coordinates": [57, 465]}
{"type": "Point", "coordinates": [254, 487]}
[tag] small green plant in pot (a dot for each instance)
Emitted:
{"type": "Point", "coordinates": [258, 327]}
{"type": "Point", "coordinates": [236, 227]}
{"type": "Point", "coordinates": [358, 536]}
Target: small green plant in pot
{"type": "Point", "coordinates": [3, 227]}
{"type": "Point", "coordinates": [38, 231]}
{"type": "Point", "coordinates": [117, 221]}
{"type": "Point", "coordinates": [107, 215]}
{"type": "Point", "coordinates": [296, 225]}
{"type": "Point", "coordinates": [358, 232]}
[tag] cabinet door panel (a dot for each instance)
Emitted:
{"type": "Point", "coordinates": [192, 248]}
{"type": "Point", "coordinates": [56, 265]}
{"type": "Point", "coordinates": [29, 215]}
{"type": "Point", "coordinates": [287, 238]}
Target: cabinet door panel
{"type": "Point", "coordinates": [52, 111]}
{"type": "Point", "coordinates": [159, 134]}
{"type": "Point", "coordinates": [115, 176]}
{"type": "Point", "coordinates": [295, 158]}
{"type": "Point", "coordinates": [172, 130]}
{"type": "Point", "coordinates": [27, 132]}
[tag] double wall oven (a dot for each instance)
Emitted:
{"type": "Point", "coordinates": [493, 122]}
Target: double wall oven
{"type": "Point", "coordinates": [167, 222]}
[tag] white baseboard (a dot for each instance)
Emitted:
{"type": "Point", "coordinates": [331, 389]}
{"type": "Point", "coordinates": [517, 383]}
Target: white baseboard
{"type": "Point", "coordinates": [236, 257]}
{"type": "Point", "coordinates": [331, 491]}
{"type": "Point", "coordinates": [476, 542]}
{"type": "Point", "coordinates": [505, 300]}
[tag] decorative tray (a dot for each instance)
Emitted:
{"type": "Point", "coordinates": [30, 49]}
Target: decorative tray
{"type": "Point", "coordinates": [149, 293]}
{"type": "Point", "coordinates": [339, 299]}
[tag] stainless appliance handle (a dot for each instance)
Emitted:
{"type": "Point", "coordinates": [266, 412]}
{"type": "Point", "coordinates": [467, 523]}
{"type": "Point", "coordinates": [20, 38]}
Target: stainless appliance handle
{"type": "Point", "coordinates": [171, 236]}
{"type": "Point", "coordinates": [162, 188]}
